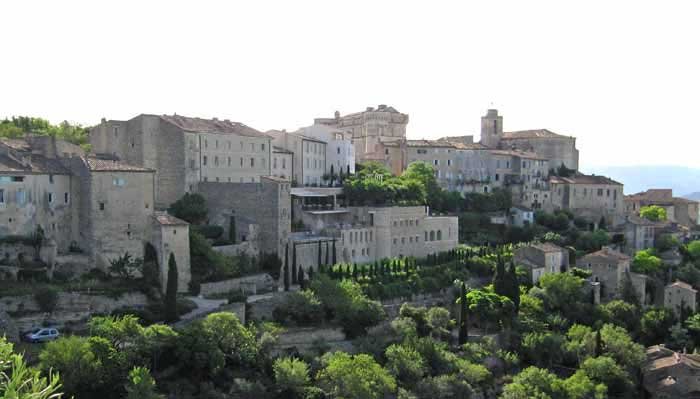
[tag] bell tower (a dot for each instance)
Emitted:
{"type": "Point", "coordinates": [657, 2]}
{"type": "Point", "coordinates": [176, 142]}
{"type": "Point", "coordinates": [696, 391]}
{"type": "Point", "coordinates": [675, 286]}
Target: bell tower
{"type": "Point", "coordinates": [491, 128]}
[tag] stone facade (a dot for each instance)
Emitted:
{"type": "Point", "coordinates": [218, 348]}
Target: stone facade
{"type": "Point", "coordinates": [589, 196]}
{"type": "Point", "coordinates": [541, 259]}
{"type": "Point", "coordinates": [639, 233]}
{"type": "Point", "coordinates": [610, 267]}
{"type": "Point", "coordinates": [369, 127]}
{"type": "Point", "coordinates": [252, 285]}
{"type": "Point", "coordinates": [171, 235]}
{"type": "Point", "coordinates": [678, 209]}
{"type": "Point", "coordinates": [184, 151]}
{"type": "Point", "coordinates": [340, 151]}
{"type": "Point", "coordinates": [282, 163]}
{"type": "Point", "coordinates": [267, 204]}
{"type": "Point", "coordinates": [680, 295]}
{"type": "Point", "coordinates": [309, 159]}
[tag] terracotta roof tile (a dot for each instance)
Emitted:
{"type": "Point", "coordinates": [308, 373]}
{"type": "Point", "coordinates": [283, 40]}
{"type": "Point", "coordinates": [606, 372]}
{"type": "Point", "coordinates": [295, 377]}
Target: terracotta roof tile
{"type": "Point", "coordinates": [609, 254]}
{"type": "Point", "coordinates": [681, 284]}
{"type": "Point", "coordinates": [38, 165]}
{"type": "Point", "coordinates": [584, 179]}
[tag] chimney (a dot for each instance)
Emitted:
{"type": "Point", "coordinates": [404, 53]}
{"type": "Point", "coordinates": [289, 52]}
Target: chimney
{"type": "Point", "coordinates": [227, 120]}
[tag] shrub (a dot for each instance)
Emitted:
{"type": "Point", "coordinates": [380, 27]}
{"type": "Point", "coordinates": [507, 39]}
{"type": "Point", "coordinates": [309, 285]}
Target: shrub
{"type": "Point", "coordinates": [291, 375]}
{"type": "Point", "coordinates": [211, 232]}
{"type": "Point", "coordinates": [301, 308]}
{"type": "Point", "coordinates": [46, 298]}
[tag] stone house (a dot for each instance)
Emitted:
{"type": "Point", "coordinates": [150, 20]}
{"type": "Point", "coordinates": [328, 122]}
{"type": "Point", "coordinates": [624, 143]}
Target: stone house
{"type": "Point", "coordinates": [102, 207]}
{"type": "Point", "coordinates": [282, 163]}
{"type": "Point", "coordinates": [521, 216]}
{"type": "Point", "coordinates": [542, 258]}
{"type": "Point", "coordinates": [309, 159]}
{"type": "Point", "coordinates": [640, 233]}
{"type": "Point", "coordinates": [610, 268]}
{"type": "Point", "coordinates": [680, 295]}
{"type": "Point", "coordinates": [678, 209]}
{"type": "Point", "coordinates": [670, 375]}
{"type": "Point", "coordinates": [588, 196]}
{"type": "Point", "coordinates": [369, 127]}
{"type": "Point", "coordinates": [184, 151]}
{"type": "Point", "coordinates": [171, 235]}
{"type": "Point", "coordinates": [340, 151]}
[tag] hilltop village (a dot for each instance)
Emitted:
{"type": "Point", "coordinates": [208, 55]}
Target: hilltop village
{"type": "Point", "coordinates": [184, 257]}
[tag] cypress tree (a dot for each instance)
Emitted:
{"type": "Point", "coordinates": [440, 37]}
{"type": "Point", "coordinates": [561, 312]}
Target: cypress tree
{"type": "Point", "coordinates": [327, 253]}
{"type": "Point", "coordinates": [294, 264]}
{"type": "Point", "coordinates": [171, 291]}
{"type": "Point", "coordinates": [334, 255]}
{"type": "Point", "coordinates": [500, 285]}
{"type": "Point", "coordinates": [405, 266]}
{"type": "Point", "coordinates": [598, 344]}
{"type": "Point", "coordinates": [514, 286]}
{"type": "Point", "coordinates": [463, 322]}
{"type": "Point", "coordinates": [354, 271]}
{"type": "Point", "coordinates": [286, 267]}
{"type": "Point", "coordinates": [311, 273]}
{"type": "Point", "coordinates": [300, 278]}
{"type": "Point", "coordinates": [319, 252]}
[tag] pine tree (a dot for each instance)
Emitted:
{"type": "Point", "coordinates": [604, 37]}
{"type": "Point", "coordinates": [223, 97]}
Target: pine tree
{"type": "Point", "coordinates": [463, 316]}
{"type": "Point", "coordinates": [300, 278]}
{"type": "Point", "coordinates": [514, 286]}
{"type": "Point", "coordinates": [171, 291]}
{"type": "Point", "coordinates": [294, 264]}
{"type": "Point", "coordinates": [286, 267]}
{"type": "Point", "coordinates": [334, 255]}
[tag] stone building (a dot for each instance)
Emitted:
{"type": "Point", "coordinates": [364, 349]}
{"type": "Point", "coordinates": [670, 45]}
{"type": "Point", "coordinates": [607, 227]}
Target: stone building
{"type": "Point", "coordinates": [102, 207]}
{"type": "Point", "coordinates": [678, 209]}
{"type": "Point", "coordinates": [670, 375]}
{"type": "Point", "coordinates": [640, 233]}
{"type": "Point", "coordinates": [340, 151]}
{"type": "Point", "coordinates": [588, 196]}
{"type": "Point", "coordinates": [266, 204]}
{"type": "Point", "coordinates": [184, 151]}
{"type": "Point", "coordinates": [610, 268]}
{"type": "Point", "coordinates": [172, 236]}
{"type": "Point", "coordinates": [282, 163]}
{"type": "Point", "coordinates": [369, 127]}
{"type": "Point", "coordinates": [542, 258]}
{"type": "Point", "coordinates": [680, 295]}
{"type": "Point", "coordinates": [309, 159]}
{"type": "Point", "coordinates": [558, 149]}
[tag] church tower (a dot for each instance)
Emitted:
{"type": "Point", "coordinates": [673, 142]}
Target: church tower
{"type": "Point", "coordinates": [491, 128]}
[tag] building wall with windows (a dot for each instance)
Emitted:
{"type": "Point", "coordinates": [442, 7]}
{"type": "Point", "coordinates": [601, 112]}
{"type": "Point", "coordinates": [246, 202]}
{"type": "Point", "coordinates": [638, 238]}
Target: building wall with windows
{"type": "Point", "coordinates": [282, 163]}
{"type": "Point", "coordinates": [226, 159]}
{"type": "Point", "coordinates": [309, 156]}
{"type": "Point", "coordinates": [340, 151]}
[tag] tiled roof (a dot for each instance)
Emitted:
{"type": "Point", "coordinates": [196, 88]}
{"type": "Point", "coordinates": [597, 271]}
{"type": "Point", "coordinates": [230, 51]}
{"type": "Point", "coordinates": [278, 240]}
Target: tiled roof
{"type": "Point", "coordinates": [166, 219]}
{"type": "Point", "coordinates": [584, 179]}
{"type": "Point", "coordinates": [470, 146]}
{"type": "Point", "coordinates": [609, 254]}
{"type": "Point", "coordinates": [531, 134]}
{"type": "Point", "coordinates": [273, 133]}
{"type": "Point", "coordinates": [681, 284]}
{"type": "Point", "coordinates": [548, 247]}
{"type": "Point", "coordinates": [38, 165]}
{"type": "Point", "coordinates": [517, 153]}
{"type": "Point", "coordinates": [108, 165]}
{"type": "Point", "coordinates": [380, 108]}
{"type": "Point", "coordinates": [429, 143]}
{"type": "Point", "coordinates": [199, 125]}
{"type": "Point", "coordinates": [634, 219]}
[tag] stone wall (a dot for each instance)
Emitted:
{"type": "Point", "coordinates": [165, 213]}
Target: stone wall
{"type": "Point", "coordinates": [312, 339]}
{"type": "Point", "coordinates": [261, 306]}
{"type": "Point", "coordinates": [249, 284]}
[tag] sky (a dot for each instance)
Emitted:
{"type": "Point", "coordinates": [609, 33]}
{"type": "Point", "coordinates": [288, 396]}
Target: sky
{"type": "Point", "coordinates": [621, 76]}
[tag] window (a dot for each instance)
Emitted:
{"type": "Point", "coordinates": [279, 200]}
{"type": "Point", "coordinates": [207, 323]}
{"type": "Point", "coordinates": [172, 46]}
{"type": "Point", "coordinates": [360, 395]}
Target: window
{"type": "Point", "coordinates": [600, 192]}
{"type": "Point", "coordinates": [206, 144]}
{"type": "Point", "coordinates": [115, 130]}
{"type": "Point", "coordinates": [2, 196]}
{"type": "Point", "coordinates": [217, 179]}
{"type": "Point", "coordinates": [216, 144]}
{"type": "Point", "coordinates": [191, 163]}
{"type": "Point", "coordinates": [216, 161]}
{"type": "Point", "coordinates": [241, 162]}
{"type": "Point", "coordinates": [252, 147]}
{"type": "Point", "coordinates": [118, 181]}
{"type": "Point", "coordinates": [204, 160]}
{"type": "Point", "coordinates": [205, 179]}
{"type": "Point", "coordinates": [496, 177]}
{"type": "Point", "coordinates": [252, 162]}
{"type": "Point", "coordinates": [449, 162]}
{"type": "Point", "coordinates": [51, 179]}
{"type": "Point", "coordinates": [229, 161]}
{"type": "Point", "coordinates": [274, 163]}
{"type": "Point", "coordinates": [608, 194]}
{"type": "Point", "coordinates": [262, 147]}
{"type": "Point", "coordinates": [284, 163]}
{"type": "Point", "coordinates": [102, 206]}
{"type": "Point", "coordinates": [50, 198]}
{"type": "Point", "coordinates": [436, 162]}
{"type": "Point", "coordinates": [395, 241]}
{"type": "Point", "coordinates": [338, 150]}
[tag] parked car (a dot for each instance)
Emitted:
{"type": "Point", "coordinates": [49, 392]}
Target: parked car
{"type": "Point", "coordinates": [41, 335]}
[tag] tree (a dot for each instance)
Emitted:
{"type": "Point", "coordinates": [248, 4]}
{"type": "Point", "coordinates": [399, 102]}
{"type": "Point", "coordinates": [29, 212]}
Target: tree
{"type": "Point", "coordinates": [463, 316]}
{"type": "Point", "coordinates": [294, 264]}
{"type": "Point", "coordinates": [621, 313]}
{"type": "Point", "coordinates": [171, 291]}
{"type": "Point", "coordinates": [300, 278]}
{"type": "Point", "coordinates": [72, 357]}
{"type": "Point", "coordinates": [627, 291]}
{"type": "Point", "coordinates": [604, 370]}
{"type": "Point", "coordinates": [654, 325]}
{"type": "Point", "coordinates": [291, 376]}
{"type": "Point", "coordinates": [17, 380]}
{"type": "Point", "coordinates": [405, 364]}
{"type": "Point", "coordinates": [654, 213]}
{"type": "Point", "coordinates": [286, 267]}
{"type": "Point", "coordinates": [646, 262]}
{"type": "Point", "coordinates": [561, 291]}
{"type": "Point", "coordinates": [191, 207]}
{"type": "Point", "coordinates": [319, 253]}
{"type": "Point", "coordinates": [694, 249]}
{"type": "Point", "coordinates": [354, 377]}
{"type": "Point", "coordinates": [334, 253]}
{"type": "Point", "coordinates": [46, 298]}
{"type": "Point", "coordinates": [666, 242]}
{"type": "Point", "coordinates": [141, 385]}
{"type": "Point", "coordinates": [619, 345]}
{"type": "Point", "coordinates": [327, 262]}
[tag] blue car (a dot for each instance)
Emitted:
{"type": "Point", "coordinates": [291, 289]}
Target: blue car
{"type": "Point", "coordinates": [41, 335]}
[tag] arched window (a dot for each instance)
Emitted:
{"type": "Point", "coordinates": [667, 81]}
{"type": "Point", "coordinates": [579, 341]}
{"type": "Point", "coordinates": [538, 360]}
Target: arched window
{"type": "Point", "coordinates": [439, 235]}
{"type": "Point", "coordinates": [432, 235]}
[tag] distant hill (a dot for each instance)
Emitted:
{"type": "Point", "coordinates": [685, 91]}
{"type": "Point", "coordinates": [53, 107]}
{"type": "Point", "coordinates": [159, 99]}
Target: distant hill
{"type": "Point", "coordinates": [684, 181]}
{"type": "Point", "coordinates": [693, 196]}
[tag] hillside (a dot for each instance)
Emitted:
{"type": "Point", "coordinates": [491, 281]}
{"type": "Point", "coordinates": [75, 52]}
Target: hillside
{"type": "Point", "coordinates": [681, 179]}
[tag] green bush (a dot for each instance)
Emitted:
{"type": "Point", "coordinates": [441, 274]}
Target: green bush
{"type": "Point", "coordinates": [46, 298]}
{"type": "Point", "coordinates": [211, 232]}
{"type": "Point", "coordinates": [301, 308]}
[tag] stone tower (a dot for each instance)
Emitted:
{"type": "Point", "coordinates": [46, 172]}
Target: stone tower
{"type": "Point", "coordinates": [491, 128]}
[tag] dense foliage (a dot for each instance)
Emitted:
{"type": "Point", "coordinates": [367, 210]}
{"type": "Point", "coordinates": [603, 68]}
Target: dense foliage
{"type": "Point", "coordinates": [18, 126]}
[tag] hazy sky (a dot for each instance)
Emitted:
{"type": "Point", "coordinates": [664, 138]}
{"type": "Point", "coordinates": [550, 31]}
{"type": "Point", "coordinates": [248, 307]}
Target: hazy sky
{"type": "Point", "coordinates": [621, 76]}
